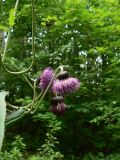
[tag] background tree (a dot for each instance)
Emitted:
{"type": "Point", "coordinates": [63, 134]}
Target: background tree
{"type": "Point", "coordinates": [85, 36]}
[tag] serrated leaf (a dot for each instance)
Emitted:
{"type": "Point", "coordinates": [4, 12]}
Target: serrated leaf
{"type": "Point", "coordinates": [11, 17]}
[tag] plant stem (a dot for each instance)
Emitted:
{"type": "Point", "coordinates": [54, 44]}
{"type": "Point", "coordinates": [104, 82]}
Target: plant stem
{"type": "Point", "coordinates": [33, 48]}
{"type": "Point", "coordinates": [8, 36]}
{"type": "Point", "coordinates": [46, 89]}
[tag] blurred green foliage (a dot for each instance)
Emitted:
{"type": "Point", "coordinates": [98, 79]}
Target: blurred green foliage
{"type": "Point", "coordinates": [84, 35]}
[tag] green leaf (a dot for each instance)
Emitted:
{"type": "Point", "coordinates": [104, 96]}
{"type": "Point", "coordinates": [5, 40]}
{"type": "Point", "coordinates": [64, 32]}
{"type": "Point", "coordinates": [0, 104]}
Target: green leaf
{"type": "Point", "coordinates": [11, 17]}
{"type": "Point", "coordinates": [2, 116]}
{"type": "Point", "coordinates": [3, 27]}
{"type": "Point", "coordinates": [14, 116]}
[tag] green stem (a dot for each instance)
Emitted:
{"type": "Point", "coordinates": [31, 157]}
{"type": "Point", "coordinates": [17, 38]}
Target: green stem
{"type": "Point", "coordinates": [33, 48]}
{"type": "Point", "coordinates": [46, 89]}
{"type": "Point", "coordinates": [12, 106]}
{"type": "Point", "coordinates": [16, 7]}
{"type": "Point", "coordinates": [34, 96]}
{"type": "Point", "coordinates": [27, 80]}
{"type": "Point", "coordinates": [25, 107]}
{"type": "Point", "coordinates": [6, 45]}
{"type": "Point", "coordinates": [8, 36]}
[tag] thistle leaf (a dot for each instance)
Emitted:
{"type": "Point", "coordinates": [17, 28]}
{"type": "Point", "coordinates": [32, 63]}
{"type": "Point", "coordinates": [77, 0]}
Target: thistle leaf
{"type": "Point", "coordinates": [2, 116]}
{"type": "Point", "coordinates": [14, 116]}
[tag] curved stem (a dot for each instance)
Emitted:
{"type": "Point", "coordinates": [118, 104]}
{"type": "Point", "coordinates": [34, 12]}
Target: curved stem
{"type": "Point", "coordinates": [42, 95]}
{"type": "Point", "coordinates": [8, 36]}
{"type": "Point", "coordinates": [12, 106]}
{"type": "Point", "coordinates": [25, 107]}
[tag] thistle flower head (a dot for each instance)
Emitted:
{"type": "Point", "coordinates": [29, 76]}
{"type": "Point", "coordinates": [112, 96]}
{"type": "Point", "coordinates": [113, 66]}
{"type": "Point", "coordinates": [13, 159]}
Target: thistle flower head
{"type": "Point", "coordinates": [57, 105]}
{"type": "Point", "coordinates": [45, 78]}
{"type": "Point", "coordinates": [65, 86]}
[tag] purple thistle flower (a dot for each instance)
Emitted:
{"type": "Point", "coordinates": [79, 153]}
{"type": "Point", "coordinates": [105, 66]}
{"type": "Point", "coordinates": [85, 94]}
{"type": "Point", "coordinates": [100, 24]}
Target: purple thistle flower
{"type": "Point", "coordinates": [45, 78]}
{"type": "Point", "coordinates": [57, 106]}
{"type": "Point", "coordinates": [64, 86]}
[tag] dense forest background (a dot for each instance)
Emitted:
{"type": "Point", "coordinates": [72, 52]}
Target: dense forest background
{"type": "Point", "coordinates": [85, 35]}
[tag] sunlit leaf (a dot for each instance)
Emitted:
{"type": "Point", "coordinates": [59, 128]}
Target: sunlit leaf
{"type": "Point", "coordinates": [11, 17]}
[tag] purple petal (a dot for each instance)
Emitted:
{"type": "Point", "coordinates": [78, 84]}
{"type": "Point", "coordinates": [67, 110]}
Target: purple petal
{"type": "Point", "coordinates": [45, 78]}
{"type": "Point", "coordinates": [65, 86]}
{"type": "Point", "coordinates": [57, 106]}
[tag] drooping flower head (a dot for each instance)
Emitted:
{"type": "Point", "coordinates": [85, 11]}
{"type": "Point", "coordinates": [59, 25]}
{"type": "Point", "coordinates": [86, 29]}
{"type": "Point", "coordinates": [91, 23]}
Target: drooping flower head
{"type": "Point", "coordinates": [65, 84]}
{"type": "Point", "coordinates": [57, 105]}
{"type": "Point", "coordinates": [45, 78]}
